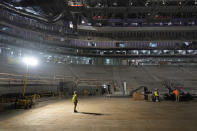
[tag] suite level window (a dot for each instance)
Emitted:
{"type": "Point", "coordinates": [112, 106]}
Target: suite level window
{"type": "Point", "coordinates": [92, 44]}
{"type": "Point", "coordinates": [122, 45]}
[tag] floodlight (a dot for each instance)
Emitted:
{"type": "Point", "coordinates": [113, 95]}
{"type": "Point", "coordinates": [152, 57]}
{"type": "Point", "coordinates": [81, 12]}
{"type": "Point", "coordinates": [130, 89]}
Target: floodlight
{"type": "Point", "coordinates": [30, 61]}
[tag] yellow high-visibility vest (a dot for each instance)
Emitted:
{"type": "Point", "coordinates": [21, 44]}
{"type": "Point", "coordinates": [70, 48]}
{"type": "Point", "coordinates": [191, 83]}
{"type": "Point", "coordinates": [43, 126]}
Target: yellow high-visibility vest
{"type": "Point", "coordinates": [156, 93]}
{"type": "Point", "coordinates": [74, 99]}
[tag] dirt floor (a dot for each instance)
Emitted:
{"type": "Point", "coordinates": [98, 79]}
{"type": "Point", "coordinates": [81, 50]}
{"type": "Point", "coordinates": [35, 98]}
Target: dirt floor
{"type": "Point", "coordinates": [103, 114]}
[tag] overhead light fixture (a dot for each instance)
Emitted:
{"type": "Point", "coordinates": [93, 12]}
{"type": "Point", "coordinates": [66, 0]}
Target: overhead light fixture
{"type": "Point", "coordinates": [147, 3]}
{"type": "Point", "coordinates": [83, 22]}
{"type": "Point", "coordinates": [115, 4]}
{"type": "Point", "coordinates": [163, 2]}
{"type": "Point", "coordinates": [71, 24]}
{"type": "Point", "coordinates": [195, 2]}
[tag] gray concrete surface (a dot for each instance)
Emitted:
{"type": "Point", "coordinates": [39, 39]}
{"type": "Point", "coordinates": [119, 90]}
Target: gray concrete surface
{"type": "Point", "coordinates": [150, 76]}
{"type": "Point", "coordinates": [103, 114]}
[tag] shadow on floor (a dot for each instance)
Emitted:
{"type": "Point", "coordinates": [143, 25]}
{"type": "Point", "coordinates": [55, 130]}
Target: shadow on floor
{"type": "Point", "coordinates": [90, 113]}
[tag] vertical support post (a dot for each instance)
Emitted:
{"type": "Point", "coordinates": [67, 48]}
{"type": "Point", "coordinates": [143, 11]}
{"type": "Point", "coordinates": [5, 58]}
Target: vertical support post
{"type": "Point", "coordinates": [25, 81]}
{"type": "Point", "coordinates": [124, 88]}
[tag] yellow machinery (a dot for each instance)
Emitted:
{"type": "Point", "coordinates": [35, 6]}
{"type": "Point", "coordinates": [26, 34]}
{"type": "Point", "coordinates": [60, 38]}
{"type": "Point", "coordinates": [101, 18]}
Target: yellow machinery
{"type": "Point", "coordinates": [26, 101]}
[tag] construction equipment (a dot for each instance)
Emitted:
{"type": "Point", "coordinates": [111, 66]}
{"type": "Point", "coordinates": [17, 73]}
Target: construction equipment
{"type": "Point", "coordinates": [170, 96]}
{"type": "Point", "coordinates": [26, 101]}
{"type": "Point", "coordinates": [19, 101]}
{"type": "Point", "coordinates": [23, 102]}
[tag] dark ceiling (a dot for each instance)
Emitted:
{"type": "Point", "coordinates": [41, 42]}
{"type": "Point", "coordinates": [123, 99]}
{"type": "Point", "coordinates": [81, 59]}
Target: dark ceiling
{"type": "Point", "coordinates": [51, 9]}
{"type": "Point", "coordinates": [43, 7]}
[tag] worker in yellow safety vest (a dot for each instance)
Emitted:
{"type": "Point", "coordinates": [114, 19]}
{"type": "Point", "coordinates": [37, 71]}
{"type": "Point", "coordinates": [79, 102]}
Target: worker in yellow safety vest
{"type": "Point", "coordinates": [156, 94]}
{"type": "Point", "coordinates": [75, 101]}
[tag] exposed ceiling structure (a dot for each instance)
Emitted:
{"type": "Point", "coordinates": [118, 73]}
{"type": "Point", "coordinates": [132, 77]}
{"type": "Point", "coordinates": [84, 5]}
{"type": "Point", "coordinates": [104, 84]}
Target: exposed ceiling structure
{"type": "Point", "coordinates": [42, 7]}
{"type": "Point", "coordinates": [39, 9]}
{"type": "Point", "coordinates": [103, 28]}
{"type": "Point", "coordinates": [94, 10]}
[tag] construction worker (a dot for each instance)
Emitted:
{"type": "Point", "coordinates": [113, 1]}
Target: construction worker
{"type": "Point", "coordinates": [156, 94]}
{"type": "Point", "coordinates": [75, 101]}
{"type": "Point", "coordinates": [177, 94]}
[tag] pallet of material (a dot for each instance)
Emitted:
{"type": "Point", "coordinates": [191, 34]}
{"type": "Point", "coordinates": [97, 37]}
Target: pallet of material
{"type": "Point", "coordinates": [137, 96]}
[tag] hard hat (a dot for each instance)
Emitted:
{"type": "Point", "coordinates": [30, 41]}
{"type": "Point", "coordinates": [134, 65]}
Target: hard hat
{"type": "Point", "coordinates": [75, 92]}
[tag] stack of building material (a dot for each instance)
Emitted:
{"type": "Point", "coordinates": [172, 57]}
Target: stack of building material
{"type": "Point", "coordinates": [138, 96]}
